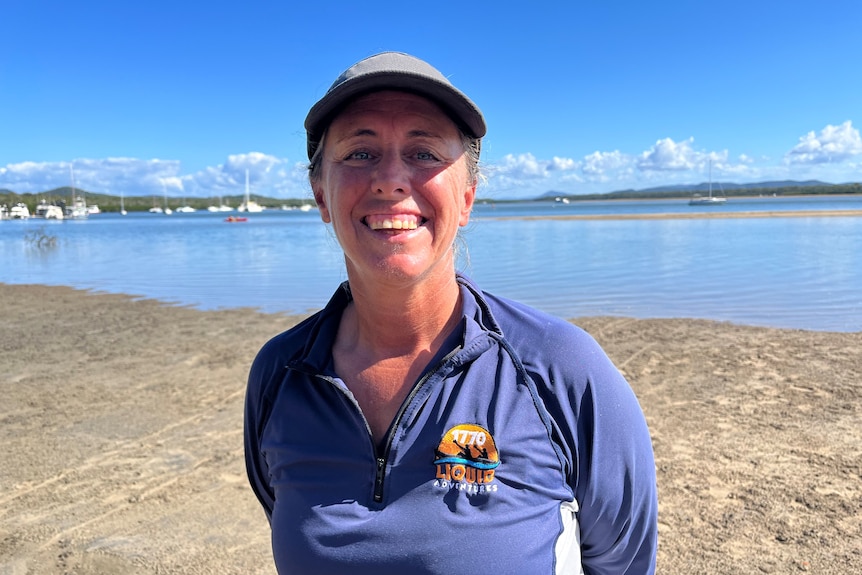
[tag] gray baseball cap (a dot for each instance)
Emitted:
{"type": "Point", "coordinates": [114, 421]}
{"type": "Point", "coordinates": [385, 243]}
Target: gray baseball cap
{"type": "Point", "coordinates": [393, 71]}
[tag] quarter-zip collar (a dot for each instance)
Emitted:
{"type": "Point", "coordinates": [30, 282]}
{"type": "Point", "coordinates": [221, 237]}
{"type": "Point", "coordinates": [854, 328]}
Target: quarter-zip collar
{"type": "Point", "coordinates": [316, 357]}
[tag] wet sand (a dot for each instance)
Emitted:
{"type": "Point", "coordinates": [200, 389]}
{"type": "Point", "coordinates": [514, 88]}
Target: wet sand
{"type": "Point", "coordinates": [121, 444]}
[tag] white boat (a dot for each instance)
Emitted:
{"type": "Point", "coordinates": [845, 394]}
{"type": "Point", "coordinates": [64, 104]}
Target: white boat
{"type": "Point", "coordinates": [93, 209]}
{"type": "Point", "coordinates": [221, 207]}
{"type": "Point", "coordinates": [167, 211]}
{"type": "Point", "coordinates": [78, 209]}
{"type": "Point", "coordinates": [697, 200]}
{"type": "Point", "coordinates": [156, 209]}
{"type": "Point", "coordinates": [19, 212]}
{"type": "Point", "coordinates": [248, 205]}
{"type": "Point", "coordinates": [710, 200]}
{"type": "Point", "coordinates": [49, 211]}
{"type": "Point", "coordinates": [4, 212]}
{"type": "Point", "coordinates": [185, 208]}
{"type": "Point", "coordinates": [123, 211]}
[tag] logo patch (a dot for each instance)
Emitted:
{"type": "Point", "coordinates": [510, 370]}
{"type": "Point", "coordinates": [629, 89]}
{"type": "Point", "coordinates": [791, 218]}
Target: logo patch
{"type": "Point", "coordinates": [466, 459]}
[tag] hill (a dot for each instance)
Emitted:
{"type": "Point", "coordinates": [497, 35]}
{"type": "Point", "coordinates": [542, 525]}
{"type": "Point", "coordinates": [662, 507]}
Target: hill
{"type": "Point", "coordinates": [778, 188]}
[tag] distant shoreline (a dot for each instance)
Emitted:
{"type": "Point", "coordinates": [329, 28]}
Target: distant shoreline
{"type": "Point", "coordinates": [690, 215]}
{"type": "Point", "coordinates": [589, 198]}
{"type": "Point", "coordinates": [112, 203]}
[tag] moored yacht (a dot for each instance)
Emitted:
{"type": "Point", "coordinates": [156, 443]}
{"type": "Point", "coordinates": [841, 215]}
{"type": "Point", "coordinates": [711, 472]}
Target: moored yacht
{"type": "Point", "coordinates": [49, 211]}
{"type": "Point", "coordinates": [19, 211]}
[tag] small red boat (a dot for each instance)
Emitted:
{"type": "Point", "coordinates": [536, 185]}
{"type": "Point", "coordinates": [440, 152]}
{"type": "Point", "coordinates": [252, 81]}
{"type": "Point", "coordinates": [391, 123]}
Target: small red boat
{"type": "Point", "coordinates": [235, 219]}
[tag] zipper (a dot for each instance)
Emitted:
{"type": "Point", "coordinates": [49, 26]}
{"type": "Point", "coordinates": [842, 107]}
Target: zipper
{"type": "Point", "coordinates": [378, 479]}
{"type": "Point", "coordinates": [381, 459]}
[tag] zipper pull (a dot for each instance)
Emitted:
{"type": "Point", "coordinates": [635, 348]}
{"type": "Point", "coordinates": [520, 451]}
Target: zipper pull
{"type": "Point", "coordinates": [378, 480]}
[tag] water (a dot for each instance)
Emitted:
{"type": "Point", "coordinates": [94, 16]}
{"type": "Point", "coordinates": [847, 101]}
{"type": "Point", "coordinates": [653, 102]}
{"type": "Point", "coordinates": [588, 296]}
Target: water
{"type": "Point", "coordinates": [800, 272]}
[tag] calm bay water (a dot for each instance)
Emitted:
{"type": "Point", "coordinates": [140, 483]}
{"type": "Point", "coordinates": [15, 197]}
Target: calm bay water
{"type": "Point", "coordinates": [800, 272]}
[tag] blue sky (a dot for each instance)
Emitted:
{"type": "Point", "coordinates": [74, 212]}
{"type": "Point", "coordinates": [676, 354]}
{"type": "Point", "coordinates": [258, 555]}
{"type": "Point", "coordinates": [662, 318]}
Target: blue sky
{"type": "Point", "coordinates": [580, 97]}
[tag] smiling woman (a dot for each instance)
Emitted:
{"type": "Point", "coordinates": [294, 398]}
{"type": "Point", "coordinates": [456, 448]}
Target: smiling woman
{"type": "Point", "coordinates": [415, 399]}
{"type": "Point", "coordinates": [393, 184]}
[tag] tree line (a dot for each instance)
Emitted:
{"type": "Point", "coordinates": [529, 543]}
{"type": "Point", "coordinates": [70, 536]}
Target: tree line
{"type": "Point", "coordinates": [111, 203]}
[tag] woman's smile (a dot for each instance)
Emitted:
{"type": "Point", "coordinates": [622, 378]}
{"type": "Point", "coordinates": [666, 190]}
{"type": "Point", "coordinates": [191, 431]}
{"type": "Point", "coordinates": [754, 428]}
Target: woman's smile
{"type": "Point", "coordinates": [393, 222]}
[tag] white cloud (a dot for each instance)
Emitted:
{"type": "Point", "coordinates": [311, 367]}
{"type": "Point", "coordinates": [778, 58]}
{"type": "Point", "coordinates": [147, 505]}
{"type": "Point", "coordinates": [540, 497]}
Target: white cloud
{"type": "Point", "coordinates": [562, 164]}
{"type": "Point", "coordinates": [666, 163]}
{"type": "Point", "coordinates": [667, 155]}
{"type": "Point", "coordinates": [599, 163]}
{"type": "Point", "coordinates": [526, 166]}
{"type": "Point", "coordinates": [521, 166]}
{"type": "Point", "coordinates": [834, 144]}
{"type": "Point", "coordinates": [268, 175]}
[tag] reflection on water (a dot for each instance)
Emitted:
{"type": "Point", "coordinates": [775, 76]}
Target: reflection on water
{"type": "Point", "coordinates": [802, 272]}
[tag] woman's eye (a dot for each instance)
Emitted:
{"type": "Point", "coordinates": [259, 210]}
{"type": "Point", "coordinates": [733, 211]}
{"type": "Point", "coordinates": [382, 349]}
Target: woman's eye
{"type": "Point", "coordinates": [359, 156]}
{"type": "Point", "coordinates": [425, 156]}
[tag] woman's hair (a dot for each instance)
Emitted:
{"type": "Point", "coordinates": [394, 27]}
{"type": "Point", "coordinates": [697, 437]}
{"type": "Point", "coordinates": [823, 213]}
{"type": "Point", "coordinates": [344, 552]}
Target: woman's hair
{"type": "Point", "coordinates": [472, 147]}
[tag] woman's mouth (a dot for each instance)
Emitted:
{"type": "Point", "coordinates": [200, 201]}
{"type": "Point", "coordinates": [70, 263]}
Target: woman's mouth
{"type": "Point", "coordinates": [394, 222]}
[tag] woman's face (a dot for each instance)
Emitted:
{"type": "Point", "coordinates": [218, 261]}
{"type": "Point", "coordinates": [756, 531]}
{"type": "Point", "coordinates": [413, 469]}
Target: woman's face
{"type": "Point", "coordinates": [393, 183]}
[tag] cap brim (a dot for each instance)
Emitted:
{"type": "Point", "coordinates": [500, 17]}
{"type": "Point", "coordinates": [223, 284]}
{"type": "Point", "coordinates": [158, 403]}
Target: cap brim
{"type": "Point", "coordinates": [454, 103]}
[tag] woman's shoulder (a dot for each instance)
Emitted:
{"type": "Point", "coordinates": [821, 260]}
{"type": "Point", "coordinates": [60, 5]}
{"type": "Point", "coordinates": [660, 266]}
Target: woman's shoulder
{"type": "Point", "coordinates": [311, 336]}
{"type": "Point", "coordinates": [524, 325]}
{"type": "Point", "coordinates": [554, 350]}
{"type": "Point", "coordinates": [280, 351]}
{"type": "Point", "coordinates": [287, 343]}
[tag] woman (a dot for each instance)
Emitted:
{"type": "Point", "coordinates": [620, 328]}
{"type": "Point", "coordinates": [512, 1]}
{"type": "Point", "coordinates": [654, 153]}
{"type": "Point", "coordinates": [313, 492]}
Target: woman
{"type": "Point", "coordinates": [418, 424]}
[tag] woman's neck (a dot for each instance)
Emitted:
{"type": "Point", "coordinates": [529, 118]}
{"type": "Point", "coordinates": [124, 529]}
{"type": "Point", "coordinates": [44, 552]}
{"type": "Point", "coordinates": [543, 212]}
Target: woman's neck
{"type": "Point", "coordinates": [406, 319]}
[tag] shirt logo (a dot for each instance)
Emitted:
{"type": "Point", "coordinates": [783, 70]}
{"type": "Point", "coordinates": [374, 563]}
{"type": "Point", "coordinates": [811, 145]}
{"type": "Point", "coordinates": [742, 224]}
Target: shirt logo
{"type": "Point", "coordinates": [466, 459]}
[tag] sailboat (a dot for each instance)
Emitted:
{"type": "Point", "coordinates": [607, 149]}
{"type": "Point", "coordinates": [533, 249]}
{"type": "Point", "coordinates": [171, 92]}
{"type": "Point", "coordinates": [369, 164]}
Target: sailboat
{"type": "Point", "coordinates": [221, 207]}
{"type": "Point", "coordinates": [156, 209]}
{"type": "Point", "coordinates": [710, 200]}
{"type": "Point", "coordinates": [168, 211]}
{"type": "Point", "coordinates": [248, 205]}
{"type": "Point", "coordinates": [78, 209]}
{"type": "Point", "coordinates": [123, 211]}
{"type": "Point", "coordinates": [185, 208]}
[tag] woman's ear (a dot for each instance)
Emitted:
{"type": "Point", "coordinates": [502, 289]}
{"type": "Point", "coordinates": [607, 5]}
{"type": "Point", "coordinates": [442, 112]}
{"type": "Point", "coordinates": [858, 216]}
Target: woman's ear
{"type": "Point", "coordinates": [467, 207]}
{"type": "Point", "coordinates": [320, 200]}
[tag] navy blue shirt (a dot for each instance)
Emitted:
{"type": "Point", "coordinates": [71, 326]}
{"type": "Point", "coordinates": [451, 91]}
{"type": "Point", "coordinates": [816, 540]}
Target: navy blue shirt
{"type": "Point", "coordinates": [520, 450]}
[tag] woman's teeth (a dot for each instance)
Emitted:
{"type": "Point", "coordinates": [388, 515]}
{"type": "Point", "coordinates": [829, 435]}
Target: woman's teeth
{"type": "Point", "coordinates": [392, 222]}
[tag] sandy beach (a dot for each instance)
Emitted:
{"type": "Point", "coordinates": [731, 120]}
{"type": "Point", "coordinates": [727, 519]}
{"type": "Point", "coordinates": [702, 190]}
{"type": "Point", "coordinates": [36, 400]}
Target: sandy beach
{"type": "Point", "coordinates": [121, 443]}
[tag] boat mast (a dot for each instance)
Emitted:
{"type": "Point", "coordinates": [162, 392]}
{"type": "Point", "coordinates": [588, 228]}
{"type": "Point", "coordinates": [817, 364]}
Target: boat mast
{"type": "Point", "coordinates": [72, 178]}
{"type": "Point", "coordinates": [167, 210]}
{"type": "Point", "coordinates": [710, 178]}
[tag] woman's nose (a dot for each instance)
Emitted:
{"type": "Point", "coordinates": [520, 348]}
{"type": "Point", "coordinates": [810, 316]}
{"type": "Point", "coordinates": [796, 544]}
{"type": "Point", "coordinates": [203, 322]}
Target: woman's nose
{"type": "Point", "coordinates": [391, 175]}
